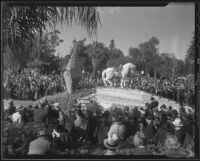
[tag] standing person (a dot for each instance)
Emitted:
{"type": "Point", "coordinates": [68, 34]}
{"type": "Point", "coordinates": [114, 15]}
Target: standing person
{"type": "Point", "coordinates": [40, 114]}
{"type": "Point", "coordinates": [57, 115]}
{"type": "Point", "coordinates": [11, 107]}
{"type": "Point", "coordinates": [17, 116]}
{"type": "Point", "coordinates": [67, 72]}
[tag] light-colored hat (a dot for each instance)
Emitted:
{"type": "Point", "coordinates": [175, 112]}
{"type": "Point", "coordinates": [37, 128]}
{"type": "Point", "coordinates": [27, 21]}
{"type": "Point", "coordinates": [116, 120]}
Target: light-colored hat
{"type": "Point", "coordinates": [43, 101]}
{"type": "Point", "coordinates": [56, 104]}
{"type": "Point", "coordinates": [177, 122]}
{"type": "Point", "coordinates": [19, 107]}
{"type": "Point", "coordinates": [111, 142]}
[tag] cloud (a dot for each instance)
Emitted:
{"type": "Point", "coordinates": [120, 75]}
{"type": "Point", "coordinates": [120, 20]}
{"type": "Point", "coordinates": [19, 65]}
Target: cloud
{"type": "Point", "coordinates": [113, 10]}
{"type": "Point", "coordinates": [108, 10]}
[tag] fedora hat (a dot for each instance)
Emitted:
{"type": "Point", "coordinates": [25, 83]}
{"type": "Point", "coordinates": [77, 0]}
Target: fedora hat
{"type": "Point", "coordinates": [177, 122]}
{"type": "Point", "coordinates": [111, 142]}
{"type": "Point", "coordinates": [19, 107]}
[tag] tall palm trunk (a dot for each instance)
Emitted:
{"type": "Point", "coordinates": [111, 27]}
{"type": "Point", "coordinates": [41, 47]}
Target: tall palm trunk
{"type": "Point", "coordinates": [95, 65]}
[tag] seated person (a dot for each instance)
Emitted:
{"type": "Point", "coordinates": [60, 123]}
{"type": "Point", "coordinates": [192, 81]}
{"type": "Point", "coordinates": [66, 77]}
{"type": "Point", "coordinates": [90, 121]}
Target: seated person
{"type": "Point", "coordinates": [139, 144]}
{"type": "Point", "coordinates": [173, 148]}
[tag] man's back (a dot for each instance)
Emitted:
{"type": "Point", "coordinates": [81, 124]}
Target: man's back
{"type": "Point", "coordinates": [39, 146]}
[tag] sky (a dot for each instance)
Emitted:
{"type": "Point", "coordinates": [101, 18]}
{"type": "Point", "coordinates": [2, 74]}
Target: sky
{"type": "Point", "coordinates": [173, 25]}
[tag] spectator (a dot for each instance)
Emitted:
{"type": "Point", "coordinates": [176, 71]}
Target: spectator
{"type": "Point", "coordinates": [61, 138]}
{"type": "Point", "coordinates": [40, 146]}
{"type": "Point", "coordinates": [80, 129]}
{"type": "Point", "coordinates": [173, 148]}
{"type": "Point", "coordinates": [140, 149]}
{"type": "Point", "coordinates": [103, 128]}
{"type": "Point", "coordinates": [53, 114]}
{"type": "Point", "coordinates": [11, 107]}
{"type": "Point", "coordinates": [17, 116]}
{"type": "Point", "coordinates": [117, 126]}
{"type": "Point", "coordinates": [40, 114]}
{"type": "Point", "coordinates": [111, 143]}
{"type": "Point", "coordinates": [179, 131]}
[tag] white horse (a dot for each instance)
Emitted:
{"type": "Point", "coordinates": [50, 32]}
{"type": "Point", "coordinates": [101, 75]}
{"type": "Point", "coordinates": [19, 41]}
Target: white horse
{"type": "Point", "coordinates": [127, 70]}
{"type": "Point", "coordinates": [124, 71]}
{"type": "Point", "coordinates": [107, 75]}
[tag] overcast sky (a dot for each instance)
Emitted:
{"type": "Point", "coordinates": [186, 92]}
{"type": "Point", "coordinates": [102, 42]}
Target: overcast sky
{"type": "Point", "coordinates": [130, 26]}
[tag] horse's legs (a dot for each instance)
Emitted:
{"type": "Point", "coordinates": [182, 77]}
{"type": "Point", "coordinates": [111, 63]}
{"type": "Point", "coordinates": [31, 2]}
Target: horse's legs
{"type": "Point", "coordinates": [122, 82]}
{"type": "Point", "coordinates": [111, 84]}
{"type": "Point", "coordinates": [104, 81]}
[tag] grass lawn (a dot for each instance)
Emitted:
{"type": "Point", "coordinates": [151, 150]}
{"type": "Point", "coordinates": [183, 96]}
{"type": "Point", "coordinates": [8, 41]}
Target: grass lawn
{"type": "Point", "coordinates": [17, 102]}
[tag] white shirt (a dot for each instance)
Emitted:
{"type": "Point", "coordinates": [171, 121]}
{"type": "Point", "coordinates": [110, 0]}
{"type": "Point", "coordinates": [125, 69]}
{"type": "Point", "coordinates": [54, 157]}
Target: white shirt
{"type": "Point", "coordinates": [17, 117]}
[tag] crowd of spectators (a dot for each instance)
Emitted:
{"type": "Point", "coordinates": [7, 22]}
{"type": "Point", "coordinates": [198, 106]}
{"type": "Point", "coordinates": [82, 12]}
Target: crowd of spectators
{"type": "Point", "coordinates": [156, 130]}
{"type": "Point", "coordinates": [30, 84]}
{"type": "Point", "coordinates": [181, 90]}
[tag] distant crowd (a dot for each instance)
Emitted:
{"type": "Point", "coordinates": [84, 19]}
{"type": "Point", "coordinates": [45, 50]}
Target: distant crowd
{"type": "Point", "coordinates": [32, 85]}
{"type": "Point", "coordinates": [156, 130]}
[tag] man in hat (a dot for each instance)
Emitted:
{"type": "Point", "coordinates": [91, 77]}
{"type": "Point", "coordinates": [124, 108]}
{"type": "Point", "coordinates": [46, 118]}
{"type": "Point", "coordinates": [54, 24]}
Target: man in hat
{"type": "Point", "coordinates": [40, 146]}
{"type": "Point", "coordinates": [17, 116]}
{"type": "Point", "coordinates": [10, 110]}
{"type": "Point", "coordinates": [11, 107]}
{"type": "Point", "coordinates": [179, 130]}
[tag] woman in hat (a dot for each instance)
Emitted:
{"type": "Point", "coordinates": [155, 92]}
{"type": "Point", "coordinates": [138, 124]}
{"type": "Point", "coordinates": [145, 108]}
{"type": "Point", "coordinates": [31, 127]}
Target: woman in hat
{"type": "Point", "coordinates": [117, 126]}
{"type": "Point", "coordinates": [111, 143]}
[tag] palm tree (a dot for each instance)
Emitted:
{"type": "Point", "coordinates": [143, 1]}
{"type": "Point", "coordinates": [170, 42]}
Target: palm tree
{"type": "Point", "coordinates": [21, 22]}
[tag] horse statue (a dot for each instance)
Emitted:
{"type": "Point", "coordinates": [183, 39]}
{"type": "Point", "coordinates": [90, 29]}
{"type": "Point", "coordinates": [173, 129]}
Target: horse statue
{"type": "Point", "coordinates": [124, 71]}
{"type": "Point", "coordinates": [127, 71]}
